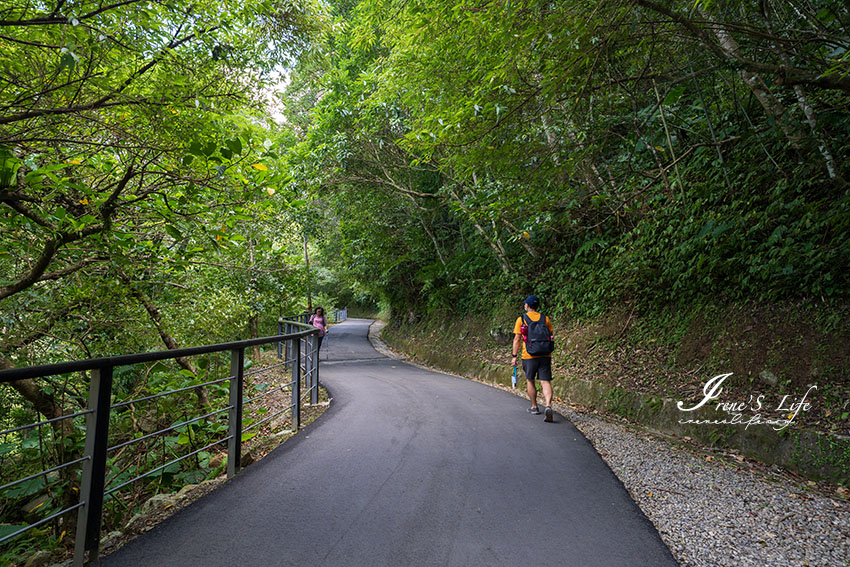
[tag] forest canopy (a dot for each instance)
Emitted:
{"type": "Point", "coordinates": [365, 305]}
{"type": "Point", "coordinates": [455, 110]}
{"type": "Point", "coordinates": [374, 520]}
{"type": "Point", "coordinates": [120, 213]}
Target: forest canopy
{"type": "Point", "coordinates": [595, 151]}
{"type": "Point", "coordinates": [418, 155]}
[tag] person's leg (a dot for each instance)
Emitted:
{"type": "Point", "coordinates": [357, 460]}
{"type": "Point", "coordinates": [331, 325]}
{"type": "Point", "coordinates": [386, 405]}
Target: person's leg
{"type": "Point", "coordinates": [532, 392]}
{"type": "Point", "coordinates": [546, 385]}
{"type": "Point", "coordinates": [544, 373]}
{"type": "Point", "coordinates": [530, 368]}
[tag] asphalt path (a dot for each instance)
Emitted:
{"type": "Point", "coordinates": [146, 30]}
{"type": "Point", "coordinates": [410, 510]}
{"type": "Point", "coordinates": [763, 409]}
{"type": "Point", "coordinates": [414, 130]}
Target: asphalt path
{"type": "Point", "coordinates": [411, 467]}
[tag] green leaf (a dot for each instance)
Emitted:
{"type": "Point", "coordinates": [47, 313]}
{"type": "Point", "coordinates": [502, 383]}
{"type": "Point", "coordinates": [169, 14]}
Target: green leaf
{"type": "Point", "coordinates": [8, 529]}
{"type": "Point", "coordinates": [674, 95]}
{"type": "Point", "coordinates": [173, 232]}
{"type": "Point", "coordinates": [235, 145]}
{"type": "Point", "coordinates": [173, 468]}
{"type": "Point", "coordinates": [196, 149]}
{"type": "Point", "coordinates": [67, 61]}
{"type": "Point", "coordinates": [24, 489]}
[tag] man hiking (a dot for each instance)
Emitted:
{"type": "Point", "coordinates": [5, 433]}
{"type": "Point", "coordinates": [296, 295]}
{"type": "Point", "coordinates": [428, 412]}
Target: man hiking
{"type": "Point", "coordinates": [534, 334]}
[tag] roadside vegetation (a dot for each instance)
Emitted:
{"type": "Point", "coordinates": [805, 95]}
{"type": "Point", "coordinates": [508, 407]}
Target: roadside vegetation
{"type": "Point", "coordinates": [670, 178]}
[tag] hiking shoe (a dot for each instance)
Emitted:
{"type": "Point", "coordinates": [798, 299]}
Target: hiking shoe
{"type": "Point", "coordinates": [533, 411]}
{"type": "Point", "coordinates": [548, 413]}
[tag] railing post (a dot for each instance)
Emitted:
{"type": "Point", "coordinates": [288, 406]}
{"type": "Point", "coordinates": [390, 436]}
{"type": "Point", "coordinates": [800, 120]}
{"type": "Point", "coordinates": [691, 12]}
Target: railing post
{"type": "Point", "coordinates": [314, 371]}
{"type": "Point", "coordinates": [296, 383]}
{"type": "Point", "coordinates": [279, 332]}
{"type": "Point", "coordinates": [234, 443]}
{"type": "Point", "coordinates": [94, 468]}
{"type": "Point", "coordinates": [288, 344]}
{"type": "Point", "coordinates": [306, 356]}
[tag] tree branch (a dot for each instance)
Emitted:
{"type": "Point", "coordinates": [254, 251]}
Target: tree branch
{"type": "Point", "coordinates": [104, 101]}
{"type": "Point", "coordinates": [58, 274]}
{"type": "Point", "coordinates": [787, 75]}
{"type": "Point", "coordinates": [53, 19]}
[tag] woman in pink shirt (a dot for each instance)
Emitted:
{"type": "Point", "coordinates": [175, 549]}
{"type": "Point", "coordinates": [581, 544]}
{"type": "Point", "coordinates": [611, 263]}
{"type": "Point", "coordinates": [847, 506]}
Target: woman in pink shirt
{"type": "Point", "coordinates": [318, 320]}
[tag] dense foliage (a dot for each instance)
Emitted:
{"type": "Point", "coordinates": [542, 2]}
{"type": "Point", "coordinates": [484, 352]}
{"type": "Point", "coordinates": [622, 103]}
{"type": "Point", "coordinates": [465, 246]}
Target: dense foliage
{"type": "Point", "coordinates": [141, 208]}
{"type": "Point", "coordinates": [434, 156]}
{"type": "Point", "coordinates": [596, 152]}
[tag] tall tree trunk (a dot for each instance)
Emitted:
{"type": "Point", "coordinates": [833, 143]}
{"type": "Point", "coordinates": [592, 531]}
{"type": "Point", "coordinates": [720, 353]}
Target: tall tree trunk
{"type": "Point", "coordinates": [493, 242]}
{"type": "Point", "coordinates": [431, 235]}
{"type": "Point", "coordinates": [811, 119]}
{"type": "Point", "coordinates": [804, 104]}
{"type": "Point", "coordinates": [254, 332]}
{"type": "Point", "coordinates": [167, 339]}
{"type": "Point", "coordinates": [50, 408]}
{"type": "Point", "coordinates": [771, 105]}
{"type": "Point", "coordinates": [532, 251]}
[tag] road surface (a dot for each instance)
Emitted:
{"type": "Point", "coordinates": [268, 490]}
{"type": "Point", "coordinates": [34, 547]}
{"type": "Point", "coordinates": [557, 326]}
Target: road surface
{"type": "Point", "coordinates": [411, 467]}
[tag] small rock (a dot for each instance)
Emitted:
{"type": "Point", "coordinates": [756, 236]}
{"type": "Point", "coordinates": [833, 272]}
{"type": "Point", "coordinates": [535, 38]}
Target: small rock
{"type": "Point", "coordinates": [32, 508]}
{"type": "Point", "coordinates": [217, 460]}
{"type": "Point", "coordinates": [247, 459]}
{"type": "Point", "coordinates": [133, 520]}
{"type": "Point", "coordinates": [769, 378]}
{"type": "Point", "coordinates": [158, 502]}
{"type": "Point", "coordinates": [213, 482]}
{"type": "Point", "coordinates": [183, 492]}
{"type": "Point", "coordinates": [39, 558]}
{"type": "Point", "coordinates": [111, 539]}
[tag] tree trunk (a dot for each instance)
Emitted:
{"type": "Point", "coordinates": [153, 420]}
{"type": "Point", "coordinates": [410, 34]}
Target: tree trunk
{"type": "Point", "coordinates": [167, 339]}
{"type": "Point", "coordinates": [495, 245]}
{"type": "Point", "coordinates": [254, 331]}
{"type": "Point", "coordinates": [804, 104]}
{"type": "Point", "coordinates": [47, 406]}
{"type": "Point", "coordinates": [772, 106]}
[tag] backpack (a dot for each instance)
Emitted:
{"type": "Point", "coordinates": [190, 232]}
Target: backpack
{"type": "Point", "coordinates": [538, 339]}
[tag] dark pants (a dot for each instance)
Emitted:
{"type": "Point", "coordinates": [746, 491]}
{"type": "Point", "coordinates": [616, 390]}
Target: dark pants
{"type": "Point", "coordinates": [540, 368]}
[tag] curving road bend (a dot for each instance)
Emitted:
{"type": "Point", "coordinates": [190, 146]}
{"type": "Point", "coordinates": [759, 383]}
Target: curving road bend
{"type": "Point", "coordinates": [411, 467]}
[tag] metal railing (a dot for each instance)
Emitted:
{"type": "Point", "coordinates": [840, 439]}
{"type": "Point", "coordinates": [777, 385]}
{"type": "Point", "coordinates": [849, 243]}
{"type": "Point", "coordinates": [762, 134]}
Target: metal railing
{"type": "Point", "coordinates": [295, 337]}
{"type": "Point", "coordinates": [340, 315]}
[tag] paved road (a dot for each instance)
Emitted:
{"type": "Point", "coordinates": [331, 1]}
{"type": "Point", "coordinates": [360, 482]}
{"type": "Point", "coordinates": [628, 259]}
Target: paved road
{"type": "Point", "coordinates": [410, 467]}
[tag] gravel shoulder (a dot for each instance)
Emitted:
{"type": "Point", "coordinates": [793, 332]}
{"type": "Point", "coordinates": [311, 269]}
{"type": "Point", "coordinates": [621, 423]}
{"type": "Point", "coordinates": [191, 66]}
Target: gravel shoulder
{"type": "Point", "coordinates": [716, 509]}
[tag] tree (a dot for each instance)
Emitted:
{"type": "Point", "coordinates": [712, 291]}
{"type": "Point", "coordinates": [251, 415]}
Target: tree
{"type": "Point", "coordinates": [612, 141]}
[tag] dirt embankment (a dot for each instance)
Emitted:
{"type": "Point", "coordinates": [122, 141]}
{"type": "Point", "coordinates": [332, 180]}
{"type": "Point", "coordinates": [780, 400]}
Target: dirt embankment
{"type": "Point", "coordinates": [786, 365]}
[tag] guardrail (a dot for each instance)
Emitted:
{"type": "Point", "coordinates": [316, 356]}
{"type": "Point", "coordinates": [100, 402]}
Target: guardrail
{"type": "Point", "coordinates": [340, 315]}
{"type": "Point", "coordinates": [301, 346]}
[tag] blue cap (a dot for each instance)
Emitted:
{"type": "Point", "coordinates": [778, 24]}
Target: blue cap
{"type": "Point", "coordinates": [532, 301]}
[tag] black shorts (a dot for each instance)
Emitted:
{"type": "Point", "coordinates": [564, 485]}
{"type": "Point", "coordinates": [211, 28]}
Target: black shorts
{"type": "Point", "coordinates": [538, 367]}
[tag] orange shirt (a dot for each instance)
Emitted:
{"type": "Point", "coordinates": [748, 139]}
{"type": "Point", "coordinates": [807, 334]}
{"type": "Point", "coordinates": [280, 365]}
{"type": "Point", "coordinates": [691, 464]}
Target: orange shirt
{"type": "Point", "coordinates": [534, 316]}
